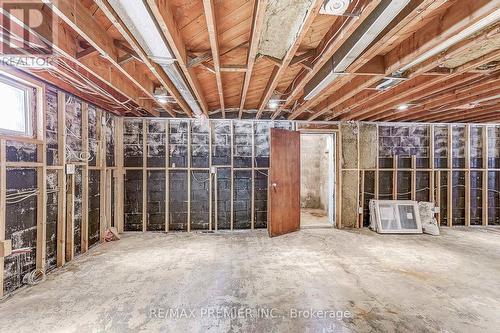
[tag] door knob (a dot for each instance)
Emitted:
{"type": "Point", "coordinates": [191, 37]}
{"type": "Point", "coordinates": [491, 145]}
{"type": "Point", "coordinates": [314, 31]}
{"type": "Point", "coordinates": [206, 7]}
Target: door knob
{"type": "Point", "coordinates": [274, 185]}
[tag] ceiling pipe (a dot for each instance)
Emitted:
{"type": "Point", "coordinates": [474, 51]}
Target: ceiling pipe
{"type": "Point", "coordinates": [136, 15]}
{"type": "Point", "coordinates": [355, 45]}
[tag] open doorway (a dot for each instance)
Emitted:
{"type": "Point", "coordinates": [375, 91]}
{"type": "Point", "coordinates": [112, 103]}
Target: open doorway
{"type": "Point", "coordinates": [317, 180]}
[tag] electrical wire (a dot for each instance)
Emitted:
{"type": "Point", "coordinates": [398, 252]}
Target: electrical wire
{"type": "Point", "coordinates": [197, 180]}
{"type": "Point", "coordinates": [34, 277]}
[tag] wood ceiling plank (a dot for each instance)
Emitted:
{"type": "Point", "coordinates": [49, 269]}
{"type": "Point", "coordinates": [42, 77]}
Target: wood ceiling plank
{"type": "Point", "coordinates": [257, 22]}
{"type": "Point", "coordinates": [309, 19]}
{"type": "Point", "coordinates": [209, 8]}
{"type": "Point", "coordinates": [164, 16]}
{"type": "Point", "coordinates": [330, 43]}
{"type": "Point", "coordinates": [65, 45]}
{"type": "Point", "coordinates": [156, 69]}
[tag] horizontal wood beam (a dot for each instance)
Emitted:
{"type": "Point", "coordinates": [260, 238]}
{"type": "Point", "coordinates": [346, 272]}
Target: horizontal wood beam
{"type": "Point", "coordinates": [76, 16]}
{"type": "Point", "coordinates": [153, 67]}
{"type": "Point", "coordinates": [275, 79]}
{"type": "Point", "coordinates": [66, 47]}
{"type": "Point", "coordinates": [164, 15]}
{"type": "Point", "coordinates": [259, 12]}
{"type": "Point", "coordinates": [209, 10]}
{"type": "Point", "coordinates": [331, 42]}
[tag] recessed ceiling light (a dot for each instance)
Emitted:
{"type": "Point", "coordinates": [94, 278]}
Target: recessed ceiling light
{"type": "Point", "coordinates": [403, 107]}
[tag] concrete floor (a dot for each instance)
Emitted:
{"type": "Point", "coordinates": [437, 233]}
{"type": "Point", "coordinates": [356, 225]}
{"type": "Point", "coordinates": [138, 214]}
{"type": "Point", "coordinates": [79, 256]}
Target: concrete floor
{"type": "Point", "coordinates": [371, 282]}
{"type": "Point", "coordinates": [313, 218]}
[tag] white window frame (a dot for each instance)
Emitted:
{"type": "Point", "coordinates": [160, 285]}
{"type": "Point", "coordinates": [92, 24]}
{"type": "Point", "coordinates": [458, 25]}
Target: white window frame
{"type": "Point", "coordinates": [28, 107]}
{"type": "Point", "coordinates": [395, 204]}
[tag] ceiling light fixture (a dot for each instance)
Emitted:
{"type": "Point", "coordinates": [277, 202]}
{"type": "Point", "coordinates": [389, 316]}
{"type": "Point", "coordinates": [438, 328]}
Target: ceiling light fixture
{"type": "Point", "coordinates": [403, 107]}
{"type": "Point", "coordinates": [334, 7]}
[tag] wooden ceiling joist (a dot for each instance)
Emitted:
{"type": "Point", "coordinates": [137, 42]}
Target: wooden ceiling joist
{"type": "Point", "coordinates": [439, 80]}
{"type": "Point", "coordinates": [163, 14]}
{"type": "Point", "coordinates": [370, 61]}
{"type": "Point", "coordinates": [213, 41]}
{"type": "Point", "coordinates": [88, 52]}
{"type": "Point", "coordinates": [330, 43]}
{"type": "Point", "coordinates": [275, 79]}
{"type": "Point", "coordinates": [65, 46]}
{"type": "Point", "coordinates": [259, 12]}
{"type": "Point", "coordinates": [410, 90]}
{"type": "Point", "coordinates": [74, 14]}
{"type": "Point", "coordinates": [453, 20]}
{"type": "Point", "coordinates": [154, 68]}
{"type": "Point", "coordinates": [209, 9]}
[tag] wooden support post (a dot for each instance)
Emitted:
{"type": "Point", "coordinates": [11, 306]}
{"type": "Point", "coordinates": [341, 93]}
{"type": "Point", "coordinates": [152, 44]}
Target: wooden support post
{"type": "Point", "coordinates": [413, 184]}
{"type": "Point", "coordinates": [450, 175]}
{"type": "Point", "coordinates": [252, 214]}
{"type": "Point", "coordinates": [70, 222]}
{"type": "Point", "coordinates": [144, 174]}
{"type": "Point", "coordinates": [118, 174]}
{"type": "Point", "coordinates": [167, 175]}
{"type": "Point", "coordinates": [438, 195]}
{"type": "Point", "coordinates": [432, 179]}
{"type": "Point", "coordinates": [467, 175]}
{"type": "Point", "coordinates": [362, 199]}
{"type": "Point", "coordinates": [103, 193]}
{"type": "Point", "coordinates": [3, 190]}
{"type": "Point", "coordinates": [232, 174]}
{"type": "Point", "coordinates": [61, 179]}
{"type": "Point", "coordinates": [85, 177]}
{"type": "Point", "coordinates": [41, 218]}
{"type": "Point", "coordinates": [485, 175]}
{"type": "Point", "coordinates": [210, 178]}
{"type": "Point", "coordinates": [108, 190]}
{"type": "Point", "coordinates": [395, 178]}
{"type": "Point", "coordinates": [376, 194]}
{"type": "Point", "coordinates": [189, 178]}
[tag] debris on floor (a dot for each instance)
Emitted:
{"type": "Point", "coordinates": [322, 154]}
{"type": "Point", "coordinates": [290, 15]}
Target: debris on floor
{"type": "Point", "coordinates": [429, 222]}
{"type": "Point", "coordinates": [111, 234]}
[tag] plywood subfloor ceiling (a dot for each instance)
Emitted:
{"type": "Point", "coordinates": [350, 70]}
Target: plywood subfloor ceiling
{"type": "Point", "coordinates": [252, 59]}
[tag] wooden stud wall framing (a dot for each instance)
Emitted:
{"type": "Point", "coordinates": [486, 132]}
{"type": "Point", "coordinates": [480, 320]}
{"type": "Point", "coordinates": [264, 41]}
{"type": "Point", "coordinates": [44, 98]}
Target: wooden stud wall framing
{"type": "Point", "coordinates": [38, 139]}
{"type": "Point", "coordinates": [449, 184]}
{"type": "Point", "coordinates": [65, 183]}
{"type": "Point", "coordinates": [144, 174]}
{"type": "Point", "coordinates": [435, 173]}
{"type": "Point", "coordinates": [85, 179]}
{"type": "Point", "coordinates": [41, 218]}
{"type": "Point", "coordinates": [61, 179]}
{"type": "Point", "coordinates": [118, 174]}
{"type": "Point", "coordinates": [485, 175]}
{"type": "Point", "coordinates": [434, 177]}
{"type": "Point", "coordinates": [467, 175]}
{"type": "Point", "coordinates": [3, 190]}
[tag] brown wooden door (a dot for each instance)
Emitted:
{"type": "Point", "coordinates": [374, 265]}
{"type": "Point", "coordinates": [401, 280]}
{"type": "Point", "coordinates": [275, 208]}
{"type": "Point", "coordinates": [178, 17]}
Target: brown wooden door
{"type": "Point", "coordinates": [284, 182]}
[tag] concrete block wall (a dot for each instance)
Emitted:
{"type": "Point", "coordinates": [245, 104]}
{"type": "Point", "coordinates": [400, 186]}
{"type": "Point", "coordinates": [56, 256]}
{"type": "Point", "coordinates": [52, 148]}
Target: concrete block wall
{"type": "Point", "coordinates": [20, 228]}
{"type": "Point", "coordinates": [314, 172]}
{"type": "Point", "coordinates": [156, 195]}
{"type": "Point", "coordinates": [237, 152]}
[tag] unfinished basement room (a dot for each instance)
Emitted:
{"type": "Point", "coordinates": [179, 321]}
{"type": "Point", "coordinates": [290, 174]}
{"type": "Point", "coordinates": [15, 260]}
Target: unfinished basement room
{"type": "Point", "coordinates": [250, 166]}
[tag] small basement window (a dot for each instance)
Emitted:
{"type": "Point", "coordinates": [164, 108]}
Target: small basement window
{"type": "Point", "coordinates": [16, 114]}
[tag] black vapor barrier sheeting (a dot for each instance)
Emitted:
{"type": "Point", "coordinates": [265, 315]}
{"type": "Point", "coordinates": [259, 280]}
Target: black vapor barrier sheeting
{"type": "Point", "coordinates": [195, 168]}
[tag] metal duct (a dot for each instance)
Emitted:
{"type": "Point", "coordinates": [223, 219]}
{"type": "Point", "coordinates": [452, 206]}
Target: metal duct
{"type": "Point", "coordinates": [136, 16]}
{"type": "Point", "coordinates": [364, 35]}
